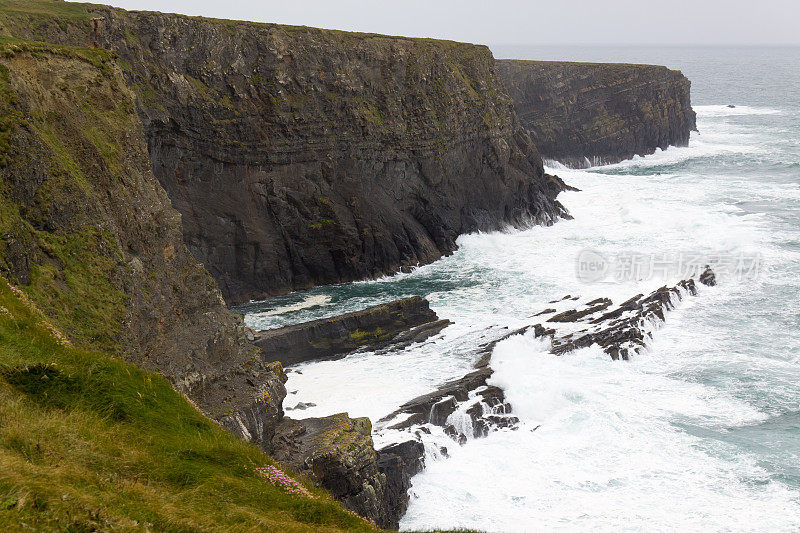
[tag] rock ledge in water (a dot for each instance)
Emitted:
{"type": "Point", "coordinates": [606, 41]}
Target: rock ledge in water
{"type": "Point", "coordinates": [400, 322]}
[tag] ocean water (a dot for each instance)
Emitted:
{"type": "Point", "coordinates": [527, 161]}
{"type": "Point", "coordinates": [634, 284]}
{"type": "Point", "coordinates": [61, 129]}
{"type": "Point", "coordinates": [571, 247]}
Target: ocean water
{"type": "Point", "coordinates": [701, 431]}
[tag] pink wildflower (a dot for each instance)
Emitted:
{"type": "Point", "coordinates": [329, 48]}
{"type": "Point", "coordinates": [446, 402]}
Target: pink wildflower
{"type": "Point", "coordinates": [279, 478]}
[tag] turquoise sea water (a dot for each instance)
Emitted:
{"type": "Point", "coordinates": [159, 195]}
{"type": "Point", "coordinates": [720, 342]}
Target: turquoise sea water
{"type": "Point", "coordinates": [702, 430]}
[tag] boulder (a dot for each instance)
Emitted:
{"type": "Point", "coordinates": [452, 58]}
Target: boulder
{"type": "Point", "coordinates": [707, 277]}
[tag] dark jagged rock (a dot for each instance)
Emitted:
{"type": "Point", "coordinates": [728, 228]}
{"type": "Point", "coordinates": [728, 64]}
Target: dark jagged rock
{"type": "Point", "coordinates": [402, 321]}
{"type": "Point", "coordinates": [300, 156]}
{"type": "Point", "coordinates": [338, 452]}
{"type": "Point", "coordinates": [707, 277]}
{"type": "Point", "coordinates": [399, 463]}
{"type": "Point", "coordinates": [621, 332]}
{"type": "Point", "coordinates": [572, 315]}
{"type": "Point", "coordinates": [411, 453]}
{"type": "Point", "coordinates": [301, 406]}
{"type": "Point", "coordinates": [593, 113]}
{"type": "Point", "coordinates": [436, 406]}
{"type": "Point", "coordinates": [484, 404]}
{"type": "Point", "coordinates": [415, 335]}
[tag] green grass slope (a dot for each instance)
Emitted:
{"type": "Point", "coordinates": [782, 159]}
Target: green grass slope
{"type": "Point", "coordinates": [88, 442]}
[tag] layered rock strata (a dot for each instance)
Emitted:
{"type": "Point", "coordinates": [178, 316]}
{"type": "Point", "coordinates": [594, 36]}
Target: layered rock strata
{"type": "Point", "coordinates": [89, 233]}
{"type": "Point", "coordinates": [622, 330]}
{"type": "Point", "coordinates": [338, 452]}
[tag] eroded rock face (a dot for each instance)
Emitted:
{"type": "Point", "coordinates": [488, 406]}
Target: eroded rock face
{"type": "Point", "coordinates": [591, 113]}
{"type": "Point", "coordinates": [399, 463]}
{"type": "Point", "coordinates": [436, 407]}
{"type": "Point", "coordinates": [89, 224]}
{"type": "Point", "coordinates": [299, 156]}
{"type": "Point", "coordinates": [398, 322]}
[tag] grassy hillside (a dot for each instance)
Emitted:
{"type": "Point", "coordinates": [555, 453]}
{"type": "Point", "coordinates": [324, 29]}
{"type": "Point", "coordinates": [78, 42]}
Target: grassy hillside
{"type": "Point", "coordinates": [90, 442]}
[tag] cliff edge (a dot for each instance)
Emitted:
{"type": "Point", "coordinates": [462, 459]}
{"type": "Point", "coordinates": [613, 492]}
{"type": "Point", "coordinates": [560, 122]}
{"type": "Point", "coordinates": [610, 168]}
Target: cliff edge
{"type": "Point", "coordinates": [584, 114]}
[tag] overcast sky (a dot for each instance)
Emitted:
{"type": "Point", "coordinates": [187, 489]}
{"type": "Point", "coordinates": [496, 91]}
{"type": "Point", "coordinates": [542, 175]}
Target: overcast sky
{"type": "Point", "coordinates": [520, 22]}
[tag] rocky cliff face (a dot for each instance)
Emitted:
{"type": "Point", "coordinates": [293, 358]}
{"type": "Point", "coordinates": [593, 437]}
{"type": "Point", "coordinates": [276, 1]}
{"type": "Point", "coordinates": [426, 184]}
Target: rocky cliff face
{"type": "Point", "coordinates": [591, 113]}
{"type": "Point", "coordinates": [300, 156]}
{"type": "Point", "coordinates": [90, 235]}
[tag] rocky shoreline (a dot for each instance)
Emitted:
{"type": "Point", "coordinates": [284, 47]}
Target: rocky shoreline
{"type": "Point", "coordinates": [338, 451]}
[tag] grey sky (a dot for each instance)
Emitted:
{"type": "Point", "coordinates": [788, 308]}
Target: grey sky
{"type": "Point", "coordinates": [519, 22]}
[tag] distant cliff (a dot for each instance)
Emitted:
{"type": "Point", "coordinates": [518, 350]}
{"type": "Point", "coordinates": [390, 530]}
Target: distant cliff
{"type": "Point", "coordinates": [590, 113]}
{"type": "Point", "coordinates": [300, 156]}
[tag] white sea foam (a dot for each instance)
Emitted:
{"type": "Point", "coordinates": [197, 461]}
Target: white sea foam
{"type": "Point", "coordinates": [637, 445]}
{"type": "Point", "coordinates": [598, 449]}
{"type": "Point", "coordinates": [710, 111]}
{"type": "Point", "coordinates": [265, 319]}
{"type": "Point", "coordinates": [703, 144]}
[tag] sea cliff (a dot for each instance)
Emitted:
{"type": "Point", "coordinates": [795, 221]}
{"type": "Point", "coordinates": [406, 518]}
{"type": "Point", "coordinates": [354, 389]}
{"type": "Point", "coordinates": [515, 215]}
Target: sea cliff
{"type": "Point", "coordinates": [93, 270]}
{"type": "Point", "coordinates": [583, 114]}
{"type": "Point", "coordinates": [90, 234]}
{"type": "Point", "coordinates": [299, 156]}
